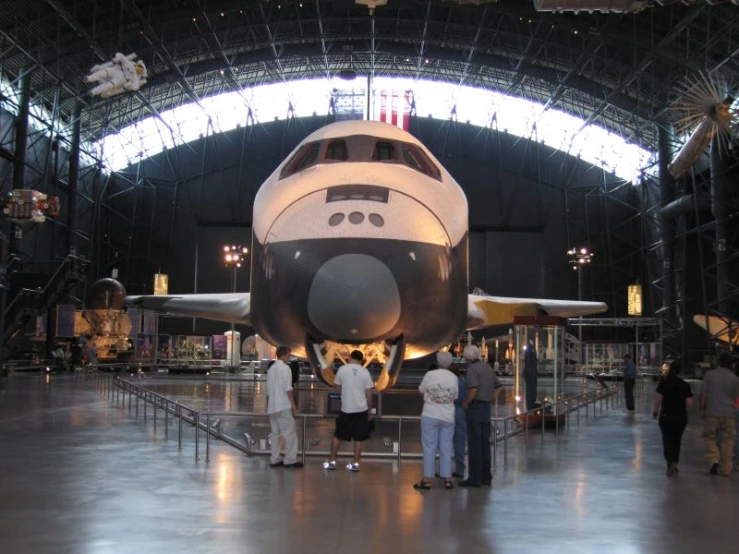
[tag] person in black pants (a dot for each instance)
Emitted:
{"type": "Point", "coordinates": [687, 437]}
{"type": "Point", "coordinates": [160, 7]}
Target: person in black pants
{"type": "Point", "coordinates": [671, 403]}
{"type": "Point", "coordinates": [629, 381]}
{"type": "Point", "coordinates": [482, 386]}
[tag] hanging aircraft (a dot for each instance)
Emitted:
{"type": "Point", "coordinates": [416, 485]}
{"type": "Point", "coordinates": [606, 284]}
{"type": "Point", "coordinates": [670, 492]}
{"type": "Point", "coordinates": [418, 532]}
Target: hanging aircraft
{"type": "Point", "coordinates": [360, 241]}
{"type": "Point", "coordinates": [721, 328]}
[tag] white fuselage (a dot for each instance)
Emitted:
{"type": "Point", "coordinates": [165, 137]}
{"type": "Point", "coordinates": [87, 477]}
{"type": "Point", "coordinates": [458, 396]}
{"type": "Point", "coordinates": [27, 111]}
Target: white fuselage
{"type": "Point", "coordinates": [360, 236]}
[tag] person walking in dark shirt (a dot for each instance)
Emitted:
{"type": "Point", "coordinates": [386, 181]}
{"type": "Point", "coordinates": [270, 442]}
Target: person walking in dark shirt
{"type": "Point", "coordinates": [629, 381]}
{"type": "Point", "coordinates": [671, 403]}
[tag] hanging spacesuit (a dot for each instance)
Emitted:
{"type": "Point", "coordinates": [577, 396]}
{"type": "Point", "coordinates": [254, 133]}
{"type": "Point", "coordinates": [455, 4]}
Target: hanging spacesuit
{"type": "Point", "coordinates": [530, 375]}
{"type": "Point", "coordinates": [120, 75]}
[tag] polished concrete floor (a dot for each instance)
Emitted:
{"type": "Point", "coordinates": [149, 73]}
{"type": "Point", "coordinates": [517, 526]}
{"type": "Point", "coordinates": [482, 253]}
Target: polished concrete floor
{"type": "Point", "coordinates": [79, 474]}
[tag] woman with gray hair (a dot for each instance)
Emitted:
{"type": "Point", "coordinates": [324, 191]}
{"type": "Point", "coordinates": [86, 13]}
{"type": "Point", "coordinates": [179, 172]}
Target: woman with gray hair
{"type": "Point", "coordinates": [439, 390]}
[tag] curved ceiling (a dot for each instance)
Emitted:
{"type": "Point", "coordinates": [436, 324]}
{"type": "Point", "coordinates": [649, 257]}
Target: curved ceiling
{"type": "Point", "coordinates": [616, 70]}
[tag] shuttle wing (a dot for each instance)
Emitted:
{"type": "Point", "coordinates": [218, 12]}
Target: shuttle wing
{"type": "Point", "coordinates": [228, 307]}
{"type": "Point", "coordinates": [485, 311]}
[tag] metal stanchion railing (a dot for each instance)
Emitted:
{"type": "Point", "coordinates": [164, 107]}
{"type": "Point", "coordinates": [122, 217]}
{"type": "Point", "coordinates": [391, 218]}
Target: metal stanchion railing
{"type": "Point", "coordinates": [400, 441]}
{"type": "Point", "coordinates": [207, 437]}
{"type": "Point", "coordinates": [197, 434]}
{"type": "Point", "coordinates": [505, 442]}
{"type": "Point", "coordinates": [304, 443]}
{"type": "Point", "coordinates": [179, 431]}
{"type": "Point", "coordinates": [512, 425]}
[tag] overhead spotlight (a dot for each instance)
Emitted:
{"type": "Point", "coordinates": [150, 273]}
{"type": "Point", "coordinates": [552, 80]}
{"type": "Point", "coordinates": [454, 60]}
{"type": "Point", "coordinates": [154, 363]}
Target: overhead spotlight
{"type": "Point", "coordinates": [371, 4]}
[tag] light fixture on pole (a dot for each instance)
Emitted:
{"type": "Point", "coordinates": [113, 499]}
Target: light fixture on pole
{"type": "Point", "coordinates": [579, 258]}
{"type": "Point", "coordinates": [233, 257]}
{"type": "Point", "coordinates": [633, 300]}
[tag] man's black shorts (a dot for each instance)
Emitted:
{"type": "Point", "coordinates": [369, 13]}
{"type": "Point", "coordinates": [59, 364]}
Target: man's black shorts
{"type": "Point", "coordinates": [353, 427]}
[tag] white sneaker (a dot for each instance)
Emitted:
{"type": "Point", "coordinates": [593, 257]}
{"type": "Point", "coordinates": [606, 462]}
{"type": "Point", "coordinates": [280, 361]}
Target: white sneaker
{"type": "Point", "coordinates": [330, 464]}
{"type": "Point", "coordinates": [354, 466]}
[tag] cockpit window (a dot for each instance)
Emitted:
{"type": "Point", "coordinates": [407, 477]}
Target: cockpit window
{"type": "Point", "coordinates": [361, 148]}
{"type": "Point", "coordinates": [303, 158]}
{"type": "Point", "coordinates": [418, 160]}
{"type": "Point", "coordinates": [384, 152]}
{"type": "Point", "coordinates": [336, 150]}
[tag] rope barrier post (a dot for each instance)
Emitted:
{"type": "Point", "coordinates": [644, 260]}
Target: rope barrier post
{"type": "Point", "coordinates": [505, 442]}
{"type": "Point", "coordinates": [196, 419]}
{"type": "Point", "coordinates": [179, 431]}
{"type": "Point", "coordinates": [207, 437]}
{"type": "Point", "coordinates": [543, 422]}
{"type": "Point", "coordinates": [305, 444]}
{"type": "Point", "coordinates": [166, 419]}
{"type": "Point", "coordinates": [400, 444]}
{"type": "Point", "coordinates": [495, 449]}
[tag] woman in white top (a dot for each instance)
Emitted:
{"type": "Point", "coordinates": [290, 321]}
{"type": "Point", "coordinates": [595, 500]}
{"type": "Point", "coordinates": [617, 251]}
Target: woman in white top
{"type": "Point", "coordinates": [439, 389]}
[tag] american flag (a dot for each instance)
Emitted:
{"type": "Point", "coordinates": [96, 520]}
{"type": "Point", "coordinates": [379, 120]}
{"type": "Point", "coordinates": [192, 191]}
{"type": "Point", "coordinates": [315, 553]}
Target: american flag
{"type": "Point", "coordinates": [394, 107]}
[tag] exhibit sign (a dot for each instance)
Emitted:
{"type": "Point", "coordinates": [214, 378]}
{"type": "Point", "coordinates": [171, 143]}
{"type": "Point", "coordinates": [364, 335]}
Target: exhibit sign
{"type": "Point", "coordinates": [633, 300]}
{"type": "Point", "coordinates": [161, 284]}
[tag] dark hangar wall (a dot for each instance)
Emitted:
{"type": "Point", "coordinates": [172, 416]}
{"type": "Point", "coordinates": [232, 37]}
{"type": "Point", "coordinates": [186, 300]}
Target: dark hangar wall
{"type": "Point", "coordinates": [528, 205]}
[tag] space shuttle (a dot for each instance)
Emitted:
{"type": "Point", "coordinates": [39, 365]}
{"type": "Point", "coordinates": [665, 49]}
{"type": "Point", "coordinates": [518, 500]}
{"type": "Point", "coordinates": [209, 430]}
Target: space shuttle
{"type": "Point", "coordinates": [360, 241]}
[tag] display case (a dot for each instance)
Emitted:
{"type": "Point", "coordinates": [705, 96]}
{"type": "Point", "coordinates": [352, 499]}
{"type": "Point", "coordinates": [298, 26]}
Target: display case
{"type": "Point", "coordinates": [606, 359]}
{"type": "Point", "coordinates": [545, 337]}
{"type": "Point", "coordinates": [186, 353]}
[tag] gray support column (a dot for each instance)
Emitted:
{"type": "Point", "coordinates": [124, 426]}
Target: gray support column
{"type": "Point", "coordinates": [21, 143]}
{"type": "Point", "coordinates": [21, 131]}
{"type": "Point", "coordinates": [666, 227]}
{"type": "Point", "coordinates": [74, 176]}
{"type": "Point", "coordinates": [720, 202]}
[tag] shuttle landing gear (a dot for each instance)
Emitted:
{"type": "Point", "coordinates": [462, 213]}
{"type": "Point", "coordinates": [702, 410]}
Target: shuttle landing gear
{"type": "Point", "coordinates": [389, 354]}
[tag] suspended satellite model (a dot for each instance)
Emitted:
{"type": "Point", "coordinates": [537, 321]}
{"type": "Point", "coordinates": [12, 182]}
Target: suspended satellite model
{"type": "Point", "coordinates": [120, 75]}
{"type": "Point", "coordinates": [705, 107]}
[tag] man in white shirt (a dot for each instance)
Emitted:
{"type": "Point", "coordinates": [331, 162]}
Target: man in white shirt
{"type": "Point", "coordinates": [355, 419]}
{"type": "Point", "coordinates": [281, 408]}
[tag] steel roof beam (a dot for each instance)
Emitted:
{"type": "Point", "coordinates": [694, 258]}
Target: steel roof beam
{"type": "Point", "coordinates": [647, 61]}
{"type": "Point", "coordinates": [153, 39]}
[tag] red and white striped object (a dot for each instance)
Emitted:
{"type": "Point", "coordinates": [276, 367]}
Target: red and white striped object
{"type": "Point", "coordinates": [394, 107]}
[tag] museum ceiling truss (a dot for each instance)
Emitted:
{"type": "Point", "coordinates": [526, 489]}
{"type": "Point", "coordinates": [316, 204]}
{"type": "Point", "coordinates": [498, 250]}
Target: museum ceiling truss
{"type": "Point", "coordinates": [618, 71]}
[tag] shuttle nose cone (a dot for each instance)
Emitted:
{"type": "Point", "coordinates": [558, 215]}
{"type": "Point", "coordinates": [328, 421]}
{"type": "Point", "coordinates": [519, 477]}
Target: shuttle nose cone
{"type": "Point", "coordinates": [354, 297]}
